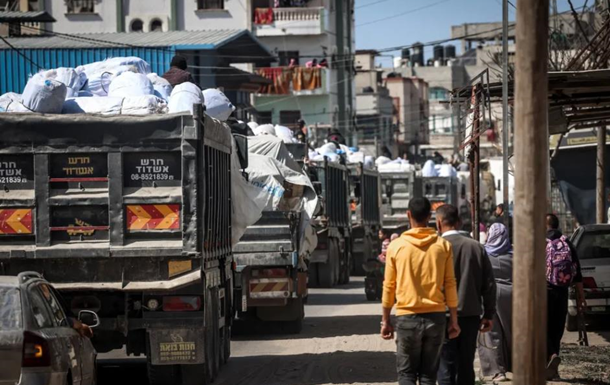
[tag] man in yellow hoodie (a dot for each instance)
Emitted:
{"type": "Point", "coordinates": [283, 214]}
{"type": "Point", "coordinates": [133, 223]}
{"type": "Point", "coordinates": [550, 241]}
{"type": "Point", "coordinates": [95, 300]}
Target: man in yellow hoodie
{"type": "Point", "coordinates": [420, 280]}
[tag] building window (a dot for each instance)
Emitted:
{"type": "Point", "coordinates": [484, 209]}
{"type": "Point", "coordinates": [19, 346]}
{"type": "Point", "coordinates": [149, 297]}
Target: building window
{"type": "Point", "coordinates": [137, 25]}
{"type": "Point", "coordinates": [156, 25]}
{"type": "Point", "coordinates": [265, 117]}
{"type": "Point", "coordinates": [290, 119]}
{"type": "Point", "coordinates": [80, 6]}
{"type": "Point", "coordinates": [210, 4]}
{"type": "Point", "coordinates": [438, 93]}
{"type": "Point", "coordinates": [288, 57]}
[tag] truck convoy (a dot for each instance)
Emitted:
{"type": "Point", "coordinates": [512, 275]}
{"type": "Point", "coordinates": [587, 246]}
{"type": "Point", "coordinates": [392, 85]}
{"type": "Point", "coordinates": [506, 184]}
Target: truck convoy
{"type": "Point", "coordinates": [330, 263]}
{"type": "Point", "coordinates": [128, 216]}
{"type": "Point", "coordinates": [365, 189]}
{"type": "Point", "coordinates": [270, 281]}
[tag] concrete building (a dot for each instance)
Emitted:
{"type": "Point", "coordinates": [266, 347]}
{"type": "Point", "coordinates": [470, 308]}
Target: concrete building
{"type": "Point", "coordinates": [320, 31]}
{"type": "Point", "coordinates": [410, 97]}
{"type": "Point", "coordinates": [375, 110]}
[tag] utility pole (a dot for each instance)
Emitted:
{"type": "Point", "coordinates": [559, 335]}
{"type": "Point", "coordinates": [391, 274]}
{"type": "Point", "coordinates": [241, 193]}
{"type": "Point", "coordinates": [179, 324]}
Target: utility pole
{"type": "Point", "coordinates": [531, 105]}
{"type": "Point", "coordinates": [505, 123]}
{"type": "Point", "coordinates": [601, 175]}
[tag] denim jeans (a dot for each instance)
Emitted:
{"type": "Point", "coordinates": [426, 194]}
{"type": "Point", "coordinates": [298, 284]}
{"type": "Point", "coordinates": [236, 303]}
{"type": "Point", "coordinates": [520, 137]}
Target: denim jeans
{"type": "Point", "coordinates": [419, 338]}
{"type": "Point", "coordinates": [457, 356]}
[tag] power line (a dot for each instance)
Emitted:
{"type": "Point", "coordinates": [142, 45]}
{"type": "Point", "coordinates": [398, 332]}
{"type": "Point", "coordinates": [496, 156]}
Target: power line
{"type": "Point", "coordinates": [20, 53]}
{"type": "Point", "coordinates": [402, 13]}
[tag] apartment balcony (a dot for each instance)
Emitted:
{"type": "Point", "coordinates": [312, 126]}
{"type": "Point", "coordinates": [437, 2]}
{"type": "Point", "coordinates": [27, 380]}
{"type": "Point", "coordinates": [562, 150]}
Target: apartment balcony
{"type": "Point", "coordinates": [299, 81]}
{"type": "Point", "coordinates": [289, 21]}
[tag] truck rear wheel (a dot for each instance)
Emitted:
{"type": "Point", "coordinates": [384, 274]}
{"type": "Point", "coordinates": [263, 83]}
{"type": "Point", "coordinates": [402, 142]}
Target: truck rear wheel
{"type": "Point", "coordinates": [194, 374]}
{"type": "Point", "coordinates": [327, 272]}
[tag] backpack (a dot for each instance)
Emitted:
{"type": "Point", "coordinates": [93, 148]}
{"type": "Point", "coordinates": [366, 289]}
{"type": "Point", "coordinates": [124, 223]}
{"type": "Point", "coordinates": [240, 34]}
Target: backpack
{"type": "Point", "coordinates": [560, 267]}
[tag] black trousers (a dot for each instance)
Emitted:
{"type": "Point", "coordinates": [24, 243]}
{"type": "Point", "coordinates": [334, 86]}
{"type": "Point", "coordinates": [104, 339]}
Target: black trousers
{"type": "Point", "coordinates": [557, 299]}
{"type": "Point", "coordinates": [457, 356]}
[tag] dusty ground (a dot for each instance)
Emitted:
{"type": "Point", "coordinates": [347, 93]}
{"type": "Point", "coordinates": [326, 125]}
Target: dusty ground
{"type": "Point", "coordinates": [339, 345]}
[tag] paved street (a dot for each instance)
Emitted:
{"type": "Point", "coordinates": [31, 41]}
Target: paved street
{"type": "Point", "coordinates": [339, 345]}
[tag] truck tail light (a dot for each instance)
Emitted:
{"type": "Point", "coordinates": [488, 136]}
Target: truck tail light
{"type": "Point", "coordinates": [182, 303]}
{"type": "Point", "coordinates": [589, 283]}
{"type": "Point", "coordinates": [270, 273]}
{"type": "Point", "coordinates": [36, 351]}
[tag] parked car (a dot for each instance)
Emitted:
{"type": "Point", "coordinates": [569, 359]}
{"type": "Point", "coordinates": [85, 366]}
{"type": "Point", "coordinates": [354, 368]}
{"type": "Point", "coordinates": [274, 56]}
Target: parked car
{"type": "Point", "coordinates": [38, 342]}
{"type": "Point", "coordinates": [592, 243]}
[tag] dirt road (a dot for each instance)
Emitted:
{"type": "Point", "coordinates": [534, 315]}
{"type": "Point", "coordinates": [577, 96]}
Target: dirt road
{"type": "Point", "coordinates": [339, 345]}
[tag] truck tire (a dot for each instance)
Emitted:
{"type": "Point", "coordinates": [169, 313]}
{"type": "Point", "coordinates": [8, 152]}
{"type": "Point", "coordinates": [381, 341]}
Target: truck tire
{"type": "Point", "coordinates": [312, 275]}
{"type": "Point", "coordinates": [226, 348]}
{"type": "Point", "coordinates": [361, 258]}
{"type": "Point", "coordinates": [572, 324]}
{"type": "Point", "coordinates": [371, 295]}
{"type": "Point", "coordinates": [327, 274]}
{"type": "Point", "coordinates": [296, 326]}
{"type": "Point", "coordinates": [337, 261]}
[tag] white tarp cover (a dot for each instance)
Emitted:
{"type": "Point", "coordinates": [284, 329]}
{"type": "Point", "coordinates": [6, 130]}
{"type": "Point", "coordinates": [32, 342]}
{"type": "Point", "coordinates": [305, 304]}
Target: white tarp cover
{"type": "Point", "coordinates": [162, 87]}
{"type": "Point", "coordinates": [184, 96]}
{"type": "Point", "coordinates": [11, 102]}
{"type": "Point", "coordinates": [396, 165]}
{"type": "Point", "coordinates": [42, 95]}
{"type": "Point", "coordinates": [247, 206]}
{"type": "Point", "coordinates": [135, 105]}
{"type": "Point", "coordinates": [217, 105]}
{"type": "Point", "coordinates": [130, 84]}
{"type": "Point", "coordinates": [270, 166]}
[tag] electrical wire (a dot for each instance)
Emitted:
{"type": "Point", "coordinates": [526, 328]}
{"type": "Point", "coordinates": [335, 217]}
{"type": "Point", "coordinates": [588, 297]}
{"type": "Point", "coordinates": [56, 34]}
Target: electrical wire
{"type": "Point", "coordinates": [20, 53]}
{"type": "Point", "coordinates": [402, 13]}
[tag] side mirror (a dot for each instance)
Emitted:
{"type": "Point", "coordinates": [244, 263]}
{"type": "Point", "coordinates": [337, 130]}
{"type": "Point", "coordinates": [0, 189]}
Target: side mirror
{"type": "Point", "coordinates": [242, 150]}
{"type": "Point", "coordinates": [89, 318]}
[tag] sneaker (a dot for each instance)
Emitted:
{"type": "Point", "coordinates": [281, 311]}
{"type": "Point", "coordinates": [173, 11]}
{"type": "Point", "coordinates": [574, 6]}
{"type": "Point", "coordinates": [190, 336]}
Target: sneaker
{"type": "Point", "coordinates": [499, 377]}
{"type": "Point", "coordinates": [552, 369]}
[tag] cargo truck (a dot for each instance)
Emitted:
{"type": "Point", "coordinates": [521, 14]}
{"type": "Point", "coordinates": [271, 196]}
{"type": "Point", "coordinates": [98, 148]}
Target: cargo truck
{"type": "Point", "coordinates": [128, 216]}
{"type": "Point", "coordinates": [397, 189]}
{"type": "Point", "coordinates": [269, 281]}
{"type": "Point", "coordinates": [365, 189]}
{"type": "Point", "coordinates": [330, 263]}
{"type": "Point", "coordinates": [439, 191]}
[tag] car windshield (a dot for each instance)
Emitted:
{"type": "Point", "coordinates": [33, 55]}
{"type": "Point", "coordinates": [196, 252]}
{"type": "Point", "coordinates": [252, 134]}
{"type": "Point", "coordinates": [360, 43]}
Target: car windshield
{"type": "Point", "coordinates": [594, 245]}
{"type": "Point", "coordinates": [10, 308]}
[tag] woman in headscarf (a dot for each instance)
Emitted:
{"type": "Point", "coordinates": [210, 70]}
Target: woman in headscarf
{"type": "Point", "coordinates": [495, 347]}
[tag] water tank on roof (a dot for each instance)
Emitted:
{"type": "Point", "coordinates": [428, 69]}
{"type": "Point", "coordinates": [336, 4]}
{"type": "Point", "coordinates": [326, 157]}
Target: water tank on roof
{"type": "Point", "coordinates": [405, 54]}
{"type": "Point", "coordinates": [417, 56]}
{"type": "Point", "coordinates": [439, 53]}
{"type": "Point", "coordinates": [449, 51]}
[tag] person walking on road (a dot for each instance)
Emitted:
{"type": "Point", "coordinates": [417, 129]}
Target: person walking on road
{"type": "Point", "coordinates": [495, 346]}
{"type": "Point", "coordinates": [562, 270]}
{"type": "Point", "coordinates": [476, 297]}
{"type": "Point", "coordinates": [419, 266]}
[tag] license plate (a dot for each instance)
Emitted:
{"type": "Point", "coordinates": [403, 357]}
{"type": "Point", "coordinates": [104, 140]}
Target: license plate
{"type": "Point", "coordinates": [179, 346]}
{"type": "Point", "coordinates": [598, 308]}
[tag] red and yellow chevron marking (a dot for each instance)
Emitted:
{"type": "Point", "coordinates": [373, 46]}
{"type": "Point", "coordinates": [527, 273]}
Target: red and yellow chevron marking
{"type": "Point", "coordinates": [15, 221]}
{"type": "Point", "coordinates": [153, 217]}
{"type": "Point", "coordinates": [265, 285]}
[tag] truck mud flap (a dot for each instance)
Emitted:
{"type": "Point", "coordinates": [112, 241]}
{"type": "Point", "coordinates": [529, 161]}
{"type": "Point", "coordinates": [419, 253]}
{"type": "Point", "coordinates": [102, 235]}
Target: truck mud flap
{"type": "Point", "coordinates": [179, 346]}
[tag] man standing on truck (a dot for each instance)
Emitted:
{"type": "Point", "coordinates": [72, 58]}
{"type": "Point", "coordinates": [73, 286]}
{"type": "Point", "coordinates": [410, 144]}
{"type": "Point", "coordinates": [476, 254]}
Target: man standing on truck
{"type": "Point", "coordinates": [177, 74]}
{"type": "Point", "coordinates": [476, 297]}
{"type": "Point", "coordinates": [419, 265]}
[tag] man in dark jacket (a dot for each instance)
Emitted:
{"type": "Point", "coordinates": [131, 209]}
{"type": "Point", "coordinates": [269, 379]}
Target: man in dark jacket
{"type": "Point", "coordinates": [178, 74]}
{"type": "Point", "coordinates": [476, 298]}
{"type": "Point", "coordinates": [557, 302]}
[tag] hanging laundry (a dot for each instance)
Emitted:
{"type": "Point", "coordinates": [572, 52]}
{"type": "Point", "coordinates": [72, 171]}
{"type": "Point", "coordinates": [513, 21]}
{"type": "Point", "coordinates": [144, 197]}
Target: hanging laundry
{"type": "Point", "coordinates": [281, 78]}
{"type": "Point", "coordinates": [306, 78]}
{"type": "Point", "coordinates": [263, 16]}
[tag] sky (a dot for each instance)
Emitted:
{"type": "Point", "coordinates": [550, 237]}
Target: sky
{"type": "Point", "coordinates": [389, 23]}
